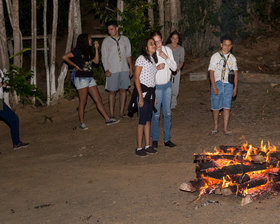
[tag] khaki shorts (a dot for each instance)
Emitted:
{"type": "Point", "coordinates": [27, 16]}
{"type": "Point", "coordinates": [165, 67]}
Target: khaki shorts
{"type": "Point", "coordinates": [116, 81]}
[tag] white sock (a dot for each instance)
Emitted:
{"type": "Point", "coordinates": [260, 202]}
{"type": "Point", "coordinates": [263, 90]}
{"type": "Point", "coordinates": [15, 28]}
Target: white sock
{"type": "Point", "coordinates": [138, 149]}
{"type": "Point", "coordinates": [147, 146]}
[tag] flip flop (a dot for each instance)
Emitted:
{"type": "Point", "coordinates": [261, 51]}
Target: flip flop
{"type": "Point", "coordinates": [228, 133]}
{"type": "Point", "coordinates": [213, 132]}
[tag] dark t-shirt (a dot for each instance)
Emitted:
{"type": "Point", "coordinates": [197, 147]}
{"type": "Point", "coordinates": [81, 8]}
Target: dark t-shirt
{"type": "Point", "coordinates": [84, 63]}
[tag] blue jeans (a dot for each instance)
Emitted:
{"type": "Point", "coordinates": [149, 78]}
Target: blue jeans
{"type": "Point", "coordinates": [9, 117]}
{"type": "Point", "coordinates": [163, 96]}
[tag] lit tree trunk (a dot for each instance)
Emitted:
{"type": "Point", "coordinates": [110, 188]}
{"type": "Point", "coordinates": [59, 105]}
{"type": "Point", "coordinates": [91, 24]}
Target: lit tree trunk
{"type": "Point", "coordinates": [178, 4]}
{"type": "Point", "coordinates": [4, 56]}
{"type": "Point", "coordinates": [46, 52]}
{"type": "Point", "coordinates": [34, 41]}
{"type": "Point", "coordinates": [120, 7]}
{"type": "Point", "coordinates": [53, 48]}
{"type": "Point", "coordinates": [13, 12]}
{"type": "Point", "coordinates": [77, 21]}
{"type": "Point", "coordinates": [151, 14]}
{"type": "Point", "coordinates": [64, 68]}
{"type": "Point", "coordinates": [173, 15]}
{"type": "Point", "coordinates": [161, 16]}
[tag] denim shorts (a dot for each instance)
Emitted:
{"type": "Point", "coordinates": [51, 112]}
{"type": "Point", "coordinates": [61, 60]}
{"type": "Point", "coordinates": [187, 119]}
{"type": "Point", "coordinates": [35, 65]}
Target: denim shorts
{"type": "Point", "coordinates": [83, 82]}
{"type": "Point", "coordinates": [145, 112]}
{"type": "Point", "coordinates": [118, 80]}
{"type": "Point", "coordinates": [224, 97]}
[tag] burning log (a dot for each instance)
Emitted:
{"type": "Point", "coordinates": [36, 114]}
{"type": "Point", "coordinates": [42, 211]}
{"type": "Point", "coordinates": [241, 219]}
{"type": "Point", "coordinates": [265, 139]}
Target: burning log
{"type": "Point", "coordinates": [219, 173]}
{"type": "Point", "coordinates": [243, 170]}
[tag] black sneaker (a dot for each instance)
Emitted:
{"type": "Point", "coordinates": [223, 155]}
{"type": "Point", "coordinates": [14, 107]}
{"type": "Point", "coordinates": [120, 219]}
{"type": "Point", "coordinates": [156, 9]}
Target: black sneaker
{"type": "Point", "coordinates": [169, 144]}
{"type": "Point", "coordinates": [150, 149]}
{"type": "Point", "coordinates": [155, 144]}
{"type": "Point", "coordinates": [140, 152]}
{"type": "Point", "coordinates": [20, 145]}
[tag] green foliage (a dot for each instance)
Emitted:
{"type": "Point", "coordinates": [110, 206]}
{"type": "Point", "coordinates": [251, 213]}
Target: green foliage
{"type": "Point", "coordinates": [19, 80]}
{"type": "Point", "coordinates": [134, 23]}
{"type": "Point", "coordinates": [70, 91]}
{"type": "Point", "coordinates": [98, 74]}
{"type": "Point", "coordinates": [203, 20]}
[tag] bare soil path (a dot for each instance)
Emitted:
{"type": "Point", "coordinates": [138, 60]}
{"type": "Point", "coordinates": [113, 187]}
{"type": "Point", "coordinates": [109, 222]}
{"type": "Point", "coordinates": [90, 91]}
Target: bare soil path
{"type": "Point", "coordinates": [67, 175]}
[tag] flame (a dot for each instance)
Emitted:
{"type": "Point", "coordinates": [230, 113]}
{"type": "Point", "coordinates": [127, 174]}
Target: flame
{"type": "Point", "coordinates": [243, 155]}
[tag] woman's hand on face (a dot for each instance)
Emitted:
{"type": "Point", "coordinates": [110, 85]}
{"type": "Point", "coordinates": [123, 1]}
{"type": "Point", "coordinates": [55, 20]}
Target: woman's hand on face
{"type": "Point", "coordinates": [96, 44]}
{"type": "Point", "coordinates": [160, 66]}
{"type": "Point", "coordinates": [162, 54]}
{"type": "Point", "coordinates": [141, 102]}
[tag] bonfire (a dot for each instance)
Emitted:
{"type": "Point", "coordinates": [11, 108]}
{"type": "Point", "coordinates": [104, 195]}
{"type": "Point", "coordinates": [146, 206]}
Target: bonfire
{"type": "Point", "coordinates": [245, 170]}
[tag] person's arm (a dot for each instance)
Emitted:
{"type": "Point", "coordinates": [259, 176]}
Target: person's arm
{"type": "Point", "coordinates": [67, 57]}
{"type": "Point", "coordinates": [137, 73]}
{"type": "Point", "coordinates": [182, 60]}
{"type": "Point", "coordinates": [128, 55]}
{"type": "Point", "coordinates": [104, 58]}
{"type": "Point", "coordinates": [212, 80]}
{"type": "Point", "coordinates": [168, 58]}
{"type": "Point", "coordinates": [235, 83]}
{"type": "Point", "coordinates": [129, 60]}
{"type": "Point", "coordinates": [96, 58]}
{"type": "Point", "coordinates": [180, 66]}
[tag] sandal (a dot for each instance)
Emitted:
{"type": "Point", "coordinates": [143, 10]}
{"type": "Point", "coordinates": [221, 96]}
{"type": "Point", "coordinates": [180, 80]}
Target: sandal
{"type": "Point", "coordinates": [213, 132]}
{"type": "Point", "coordinates": [228, 133]}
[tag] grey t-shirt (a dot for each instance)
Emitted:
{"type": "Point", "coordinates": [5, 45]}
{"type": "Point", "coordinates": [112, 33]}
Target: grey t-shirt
{"type": "Point", "coordinates": [115, 53]}
{"type": "Point", "coordinates": [178, 54]}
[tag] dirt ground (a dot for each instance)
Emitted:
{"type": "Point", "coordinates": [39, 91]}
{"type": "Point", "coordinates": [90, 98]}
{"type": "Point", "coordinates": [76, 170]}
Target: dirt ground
{"type": "Point", "coordinates": [68, 175]}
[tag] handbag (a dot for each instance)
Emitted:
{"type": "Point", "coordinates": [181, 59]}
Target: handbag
{"type": "Point", "coordinates": [231, 77]}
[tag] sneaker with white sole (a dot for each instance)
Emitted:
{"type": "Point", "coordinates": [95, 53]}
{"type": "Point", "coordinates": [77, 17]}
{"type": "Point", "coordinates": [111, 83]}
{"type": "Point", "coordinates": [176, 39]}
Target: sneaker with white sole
{"type": "Point", "coordinates": [83, 126]}
{"type": "Point", "coordinates": [20, 145]}
{"type": "Point", "coordinates": [112, 121]}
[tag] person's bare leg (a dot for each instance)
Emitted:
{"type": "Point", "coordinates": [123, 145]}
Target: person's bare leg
{"type": "Point", "coordinates": [123, 94]}
{"type": "Point", "coordinates": [82, 103]}
{"type": "Point", "coordinates": [216, 119]}
{"type": "Point", "coordinates": [112, 100]}
{"type": "Point", "coordinates": [140, 129]}
{"type": "Point", "coordinates": [226, 119]}
{"type": "Point", "coordinates": [147, 132]}
{"type": "Point", "coordinates": [93, 91]}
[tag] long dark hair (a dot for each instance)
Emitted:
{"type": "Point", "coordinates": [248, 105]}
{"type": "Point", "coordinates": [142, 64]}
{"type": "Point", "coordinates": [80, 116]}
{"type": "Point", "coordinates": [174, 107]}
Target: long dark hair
{"type": "Point", "coordinates": [144, 51]}
{"type": "Point", "coordinates": [83, 46]}
{"type": "Point", "coordinates": [171, 35]}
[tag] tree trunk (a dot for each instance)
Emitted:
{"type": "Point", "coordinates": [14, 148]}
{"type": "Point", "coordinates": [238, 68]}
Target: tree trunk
{"type": "Point", "coordinates": [64, 68]}
{"type": "Point", "coordinates": [34, 41]}
{"type": "Point", "coordinates": [178, 4]}
{"type": "Point", "coordinates": [53, 48]}
{"type": "Point", "coordinates": [161, 16]}
{"type": "Point", "coordinates": [151, 14]}
{"type": "Point", "coordinates": [77, 21]}
{"type": "Point", "coordinates": [4, 56]}
{"type": "Point", "coordinates": [13, 12]}
{"type": "Point", "coordinates": [120, 7]}
{"type": "Point", "coordinates": [173, 15]}
{"type": "Point", "coordinates": [46, 52]}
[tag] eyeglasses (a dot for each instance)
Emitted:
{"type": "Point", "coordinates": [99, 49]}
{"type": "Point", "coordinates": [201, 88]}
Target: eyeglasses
{"type": "Point", "coordinates": [158, 41]}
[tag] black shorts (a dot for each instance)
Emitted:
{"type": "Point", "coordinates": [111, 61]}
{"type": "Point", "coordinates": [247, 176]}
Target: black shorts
{"type": "Point", "coordinates": [145, 112]}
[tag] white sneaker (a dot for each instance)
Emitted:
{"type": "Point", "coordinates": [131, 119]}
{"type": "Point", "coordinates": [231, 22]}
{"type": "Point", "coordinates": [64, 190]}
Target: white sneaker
{"type": "Point", "coordinates": [83, 126]}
